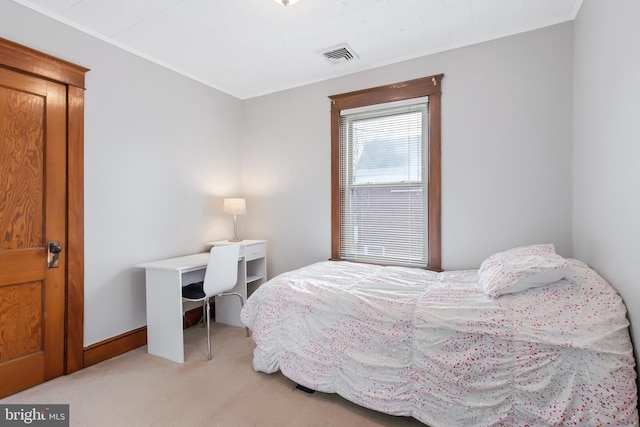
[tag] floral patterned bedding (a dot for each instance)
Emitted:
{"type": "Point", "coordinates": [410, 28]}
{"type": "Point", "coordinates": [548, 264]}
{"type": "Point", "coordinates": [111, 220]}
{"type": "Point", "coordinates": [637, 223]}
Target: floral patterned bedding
{"type": "Point", "coordinates": [437, 347]}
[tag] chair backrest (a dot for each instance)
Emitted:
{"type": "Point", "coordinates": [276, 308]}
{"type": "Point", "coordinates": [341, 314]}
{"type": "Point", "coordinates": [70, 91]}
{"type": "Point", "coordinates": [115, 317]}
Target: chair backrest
{"type": "Point", "coordinates": [221, 274]}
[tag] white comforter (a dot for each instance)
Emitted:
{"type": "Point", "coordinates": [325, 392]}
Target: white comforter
{"type": "Point", "coordinates": [434, 346]}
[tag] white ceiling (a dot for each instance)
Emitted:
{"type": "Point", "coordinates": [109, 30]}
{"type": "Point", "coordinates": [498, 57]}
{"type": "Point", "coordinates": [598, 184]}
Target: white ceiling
{"type": "Point", "coordinates": [248, 48]}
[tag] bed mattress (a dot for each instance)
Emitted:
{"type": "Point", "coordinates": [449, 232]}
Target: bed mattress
{"type": "Point", "coordinates": [434, 346]}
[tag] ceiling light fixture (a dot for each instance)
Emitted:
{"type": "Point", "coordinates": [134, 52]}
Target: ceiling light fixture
{"type": "Point", "coordinates": [286, 2]}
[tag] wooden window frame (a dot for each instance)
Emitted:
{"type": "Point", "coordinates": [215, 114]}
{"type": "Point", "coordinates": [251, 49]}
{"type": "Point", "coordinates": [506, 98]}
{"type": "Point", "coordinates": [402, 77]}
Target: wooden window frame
{"type": "Point", "coordinates": [430, 86]}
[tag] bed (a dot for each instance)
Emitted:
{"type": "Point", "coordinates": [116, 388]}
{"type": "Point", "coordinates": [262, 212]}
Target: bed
{"type": "Point", "coordinates": [530, 338]}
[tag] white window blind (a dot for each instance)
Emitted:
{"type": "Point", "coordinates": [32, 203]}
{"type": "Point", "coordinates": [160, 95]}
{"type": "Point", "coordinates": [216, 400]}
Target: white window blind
{"type": "Point", "coordinates": [383, 184]}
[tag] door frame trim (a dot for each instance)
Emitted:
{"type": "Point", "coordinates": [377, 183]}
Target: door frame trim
{"type": "Point", "coordinates": [29, 61]}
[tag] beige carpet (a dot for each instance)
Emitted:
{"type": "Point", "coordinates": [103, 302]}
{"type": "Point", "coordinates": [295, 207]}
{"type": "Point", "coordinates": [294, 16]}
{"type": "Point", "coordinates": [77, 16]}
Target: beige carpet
{"type": "Point", "coordinates": [138, 389]}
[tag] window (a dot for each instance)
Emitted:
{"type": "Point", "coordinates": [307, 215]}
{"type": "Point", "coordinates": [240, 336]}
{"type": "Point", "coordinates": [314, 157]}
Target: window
{"type": "Point", "coordinates": [383, 184]}
{"type": "Point", "coordinates": [386, 174]}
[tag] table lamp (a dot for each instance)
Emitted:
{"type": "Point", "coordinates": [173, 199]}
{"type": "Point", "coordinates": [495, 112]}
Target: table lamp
{"type": "Point", "coordinates": [235, 207]}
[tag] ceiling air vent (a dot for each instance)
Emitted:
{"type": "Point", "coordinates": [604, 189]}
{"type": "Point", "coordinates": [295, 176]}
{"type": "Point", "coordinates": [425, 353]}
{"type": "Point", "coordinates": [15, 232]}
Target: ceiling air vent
{"type": "Point", "coordinates": [339, 54]}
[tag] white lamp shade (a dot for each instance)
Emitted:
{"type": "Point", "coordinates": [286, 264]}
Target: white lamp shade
{"type": "Point", "coordinates": [286, 2]}
{"type": "Point", "coordinates": [234, 206]}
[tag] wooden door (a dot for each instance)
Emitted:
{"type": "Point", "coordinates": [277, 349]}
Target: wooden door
{"type": "Point", "coordinates": [33, 207]}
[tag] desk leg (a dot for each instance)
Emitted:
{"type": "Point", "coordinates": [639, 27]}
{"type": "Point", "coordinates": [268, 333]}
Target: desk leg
{"type": "Point", "coordinates": [164, 314]}
{"type": "Point", "coordinates": [228, 307]}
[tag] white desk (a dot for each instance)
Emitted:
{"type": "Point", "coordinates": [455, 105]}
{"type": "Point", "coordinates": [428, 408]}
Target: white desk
{"type": "Point", "coordinates": [165, 279]}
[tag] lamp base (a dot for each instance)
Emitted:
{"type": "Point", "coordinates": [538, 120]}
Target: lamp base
{"type": "Point", "coordinates": [235, 239]}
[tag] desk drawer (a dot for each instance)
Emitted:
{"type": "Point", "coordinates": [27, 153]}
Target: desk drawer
{"type": "Point", "coordinates": [256, 251]}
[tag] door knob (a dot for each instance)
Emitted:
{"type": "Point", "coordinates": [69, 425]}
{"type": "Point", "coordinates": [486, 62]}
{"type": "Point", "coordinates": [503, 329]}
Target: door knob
{"type": "Point", "coordinates": [53, 249]}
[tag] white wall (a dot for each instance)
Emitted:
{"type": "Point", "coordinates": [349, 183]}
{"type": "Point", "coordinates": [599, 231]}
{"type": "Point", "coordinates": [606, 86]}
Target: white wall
{"type": "Point", "coordinates": [160, 152]}
{"type": "Point", "coordinates": [506, 152]}
{"type": "Point", "coordinates": [606, 181]}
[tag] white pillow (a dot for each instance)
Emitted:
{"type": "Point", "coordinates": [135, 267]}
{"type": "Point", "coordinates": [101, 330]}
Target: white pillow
{"type": "Point", "coordinates": [522, 268]}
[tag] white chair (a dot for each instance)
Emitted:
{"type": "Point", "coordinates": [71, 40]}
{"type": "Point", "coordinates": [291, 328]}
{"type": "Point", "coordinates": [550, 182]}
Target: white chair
{"type": "Point", "coordinates": [220, 277]}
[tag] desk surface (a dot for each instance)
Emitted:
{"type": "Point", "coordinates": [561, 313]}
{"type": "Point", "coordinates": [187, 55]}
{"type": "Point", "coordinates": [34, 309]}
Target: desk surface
{"type": "Point", "coordinates": [182, 263]}
{"type": "Point", "coordinates": [187, 263]}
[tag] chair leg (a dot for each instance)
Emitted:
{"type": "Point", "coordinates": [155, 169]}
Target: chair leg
{"type": "Point", "coordinates": [208, 327]}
